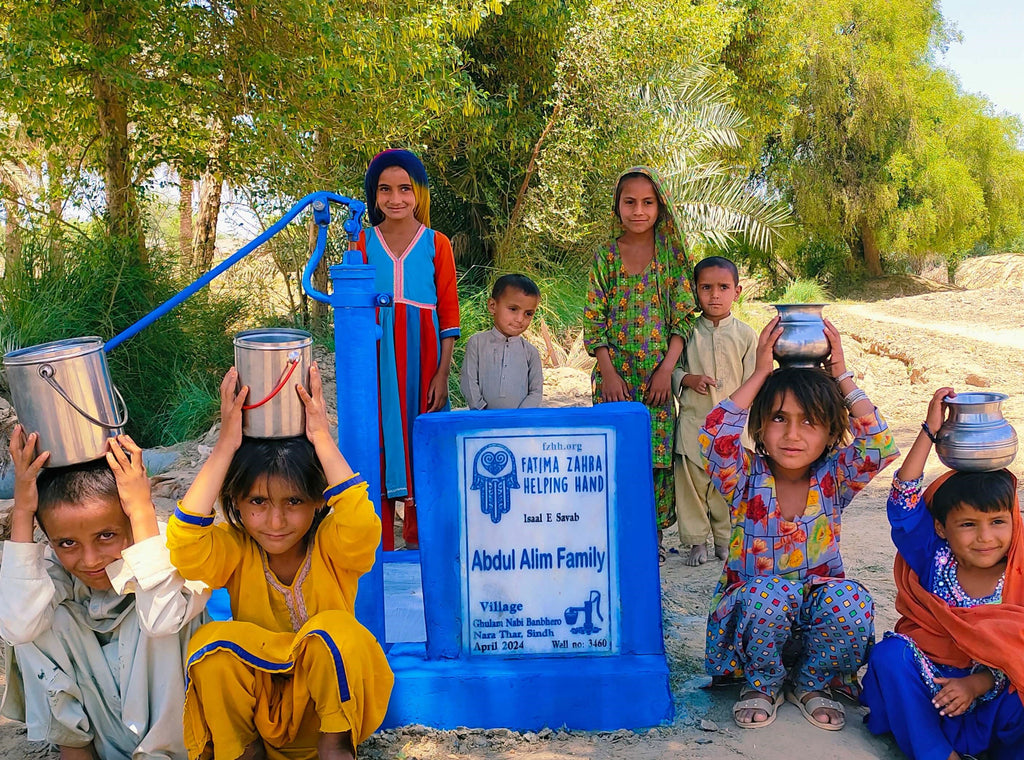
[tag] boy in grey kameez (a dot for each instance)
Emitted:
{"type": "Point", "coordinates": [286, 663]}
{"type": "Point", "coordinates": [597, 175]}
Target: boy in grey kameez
{"type": "Point", "coordinates": [96, 624]}
{"type": "Point", "coordinates": [501, 369]}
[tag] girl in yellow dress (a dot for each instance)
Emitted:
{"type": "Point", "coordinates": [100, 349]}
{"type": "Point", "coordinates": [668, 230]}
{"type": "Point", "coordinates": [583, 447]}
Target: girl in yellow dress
{"type": "Point", "coordinates": [293, 674]}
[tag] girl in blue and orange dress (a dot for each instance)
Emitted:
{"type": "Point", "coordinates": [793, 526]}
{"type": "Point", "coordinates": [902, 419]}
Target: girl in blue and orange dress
{"type": "Point", "coordinates": [949, 680]}
{"type": "Point", "coordinates": [415, 263]}
{"type": "Point", "coordinates": [293, 674]}
{"type": "Point", "coordinates": [784, 588]}
{"type": "Point", "coordinates": [640, 308]}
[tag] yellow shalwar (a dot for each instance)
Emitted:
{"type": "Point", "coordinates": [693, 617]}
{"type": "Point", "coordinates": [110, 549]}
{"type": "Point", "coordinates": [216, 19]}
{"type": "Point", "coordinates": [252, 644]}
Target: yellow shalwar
{"type": "Point", "coordinates": [294, 661]}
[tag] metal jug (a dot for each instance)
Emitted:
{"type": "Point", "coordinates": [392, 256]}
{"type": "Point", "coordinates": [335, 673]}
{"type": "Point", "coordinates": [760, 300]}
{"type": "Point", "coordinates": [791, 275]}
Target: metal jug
{"type": "Point", "coordinates": [976, 437]}
{"type": "Point", "coordinates": [271, 361]}
{"type": "Point", "coordinates": [62, 391]}
{"type": "Point", "coordinates": [803, 342]}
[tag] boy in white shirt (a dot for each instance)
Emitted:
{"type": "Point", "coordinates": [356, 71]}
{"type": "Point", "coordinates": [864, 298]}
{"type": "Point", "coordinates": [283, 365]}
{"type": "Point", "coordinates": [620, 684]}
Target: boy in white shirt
{"type": "Point", "coordinates": [718, 357]}
{"type": "Point", "coordinates": [98, 620]}
{"type": "Point", "coordinates": [501, 369]}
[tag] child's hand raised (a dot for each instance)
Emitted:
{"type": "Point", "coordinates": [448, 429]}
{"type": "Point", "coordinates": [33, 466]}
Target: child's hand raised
{"type": "Point", "coordinates": [936, 412]}
{"type": "Point", "coordinates": [231, 403]}
{"type": "Point", "coordinates": [764, 356]}
{"type": "Point", "coordinates": [316, 408]}
{"type": "Point", "coordinates": [836, 364]}
{"type": "Point", "coordinates": [125, 461]}
{"type": "Point", "coordinates": [26, 495]}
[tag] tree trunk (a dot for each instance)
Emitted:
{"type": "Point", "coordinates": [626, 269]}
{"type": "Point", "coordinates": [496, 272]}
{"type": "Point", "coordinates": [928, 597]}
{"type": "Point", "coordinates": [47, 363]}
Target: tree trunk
{"type": "Point", "coordinates": [12, 236]}
{"type": "Point", "coordinates": [319, 316]}
{"type": "Point", "coordinates": [872, 256]}
{"type": "Point", "coordinates": [204, 241]}
{"type": "Point", "coordinates": [55, 202]}
{"type": "Point", "coordinates": [185, 232]}
{"type": "Point", "coordinates": [122, 203]}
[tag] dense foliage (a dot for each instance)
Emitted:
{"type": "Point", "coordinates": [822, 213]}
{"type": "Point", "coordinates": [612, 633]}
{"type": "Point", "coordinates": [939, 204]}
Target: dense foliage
{"type": "Point", "coordinates": [815, 139]}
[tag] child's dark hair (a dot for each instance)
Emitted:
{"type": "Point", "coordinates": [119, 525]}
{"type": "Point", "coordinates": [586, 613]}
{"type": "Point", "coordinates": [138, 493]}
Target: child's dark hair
{"type": "Point", "coordinates": [514, 282]}
{"type": "Point", "coordinates": [662, 209]}
{"type": "Point", "coordinates": [816, 393]}
{"type": "Point", "coordinates": [74, 485]}
{"type": "Point", "coordinates": [716, 262]}
{"type": "Point", "coordinates": [984, 491]}
{"type": "Point", "coordinates": [291, 459]}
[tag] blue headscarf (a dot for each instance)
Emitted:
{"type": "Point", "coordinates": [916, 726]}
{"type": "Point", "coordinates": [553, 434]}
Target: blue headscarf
{"type": "Point", "coordinates": [404, 159]}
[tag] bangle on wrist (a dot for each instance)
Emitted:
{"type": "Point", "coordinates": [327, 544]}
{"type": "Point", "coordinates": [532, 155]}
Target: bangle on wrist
{"type": "Point", "coordinates": [844, 376]}
{"type": "Point", "coordinates": [853, 397]}
{"type": "Point", "coordinates": [928, 432]}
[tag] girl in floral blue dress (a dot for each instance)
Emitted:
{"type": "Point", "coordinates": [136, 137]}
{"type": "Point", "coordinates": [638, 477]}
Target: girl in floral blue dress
{"type": "Point", "coordinates": [784, 586]}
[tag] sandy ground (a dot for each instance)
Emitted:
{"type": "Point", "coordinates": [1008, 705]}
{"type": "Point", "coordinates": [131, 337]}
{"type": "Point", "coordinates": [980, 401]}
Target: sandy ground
{"type": "Point", "coordinates": [902, 349]}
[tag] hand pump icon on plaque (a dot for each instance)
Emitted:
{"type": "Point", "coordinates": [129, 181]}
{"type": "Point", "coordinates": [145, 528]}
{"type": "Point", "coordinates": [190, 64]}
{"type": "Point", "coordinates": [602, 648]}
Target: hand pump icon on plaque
{"type": "Point", "coordinates": [494, 476]}
{"type": "Point", "coordinates": [589, 607]}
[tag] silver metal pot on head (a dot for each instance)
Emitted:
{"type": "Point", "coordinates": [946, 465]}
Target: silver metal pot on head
{"type": "Point", "coordinates": [976, 437]}
{"type": "Point", "coordinates": [803, 342]}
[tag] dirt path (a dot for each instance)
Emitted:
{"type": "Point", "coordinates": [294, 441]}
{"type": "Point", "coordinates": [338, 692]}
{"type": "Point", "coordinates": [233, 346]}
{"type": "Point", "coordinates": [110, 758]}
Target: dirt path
{"type": "Point", "coordinates": [901, 349]}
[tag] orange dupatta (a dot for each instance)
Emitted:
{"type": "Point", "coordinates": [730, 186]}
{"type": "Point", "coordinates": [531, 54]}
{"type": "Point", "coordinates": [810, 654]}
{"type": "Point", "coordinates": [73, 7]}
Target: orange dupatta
{"type": "Point", "coordinates": [992, 634]}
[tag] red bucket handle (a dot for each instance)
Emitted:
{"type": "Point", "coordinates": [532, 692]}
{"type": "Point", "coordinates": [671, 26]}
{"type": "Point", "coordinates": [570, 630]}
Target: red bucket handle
{"type": "Point", "coordinates": [293, 362]}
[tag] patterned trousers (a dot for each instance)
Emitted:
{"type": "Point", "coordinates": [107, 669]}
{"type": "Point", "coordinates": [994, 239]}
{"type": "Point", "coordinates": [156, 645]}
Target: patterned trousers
{"type": "Point", "coordinates": [813, 635]}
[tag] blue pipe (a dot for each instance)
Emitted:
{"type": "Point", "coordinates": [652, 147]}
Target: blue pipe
{"type": "Point", "coordinates": [352, 227]}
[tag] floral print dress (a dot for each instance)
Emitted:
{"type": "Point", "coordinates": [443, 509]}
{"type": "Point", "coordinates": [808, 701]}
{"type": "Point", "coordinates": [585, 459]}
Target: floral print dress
{"type": "Point", "coordinates": [634, 317]}
{"type": "Point", "coordinates": [765, 547]}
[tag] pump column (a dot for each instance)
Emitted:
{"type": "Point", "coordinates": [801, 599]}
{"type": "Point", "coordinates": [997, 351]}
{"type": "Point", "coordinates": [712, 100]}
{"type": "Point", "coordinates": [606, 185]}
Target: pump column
{"type": "Point", "coordinates": [355, 300]}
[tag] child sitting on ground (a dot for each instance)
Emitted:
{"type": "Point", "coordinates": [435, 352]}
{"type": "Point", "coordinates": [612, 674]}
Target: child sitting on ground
{"type": "Point", "coordinates": [940, 683]}
{"type": "Point", "coordinates": [718, 357]}
{"type": "Point", "coordinates": [501, 369]}
{"type": "Point", "coordinates": [784, 586]}
{"type": "Point", "coordinates": [293, 674]}
{"type": "Point", "coordinates": [98, 619]}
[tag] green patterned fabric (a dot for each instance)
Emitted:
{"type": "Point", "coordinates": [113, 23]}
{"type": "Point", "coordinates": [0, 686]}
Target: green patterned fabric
{"type": "Point", "coordinates": [635, 315]}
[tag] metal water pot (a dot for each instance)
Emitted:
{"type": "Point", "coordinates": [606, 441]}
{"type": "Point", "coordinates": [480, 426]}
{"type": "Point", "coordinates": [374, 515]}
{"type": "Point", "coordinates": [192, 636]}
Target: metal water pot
{"type": "Point", "coordinates": [976, 437]}
{"type": "Point", "coordinates": [803, 342]}
{"type": "Point", "coordinates": [62, 391]}
{"type": "Point", "coordinates": [271, 361]}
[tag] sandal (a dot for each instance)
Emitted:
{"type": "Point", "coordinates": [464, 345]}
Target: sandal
{"type": "Point", "coordinates": [662, 554]}
{"type": "Point", "coordinates": [751, 699]}
{"type": "Point", "coordinates": [816, 703]}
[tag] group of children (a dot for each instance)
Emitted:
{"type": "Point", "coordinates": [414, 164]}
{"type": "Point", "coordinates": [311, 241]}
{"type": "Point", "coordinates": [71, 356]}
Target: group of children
{"type": "Point", "coordinates": [764, 461]}
{"type": "Point", "coordinates": [109, 654]}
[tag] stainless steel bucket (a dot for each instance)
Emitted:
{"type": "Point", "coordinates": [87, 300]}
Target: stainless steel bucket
{"type": "Point", "coordinates": [271, 361]}
{"type": "Point", "coordinates": [62, 391]}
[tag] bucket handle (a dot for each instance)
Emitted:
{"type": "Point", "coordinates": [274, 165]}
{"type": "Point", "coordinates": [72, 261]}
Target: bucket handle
{"type": "Point", "coordinates": [293, 362]}
{"type": "Point", "coordinates": [46, 372]}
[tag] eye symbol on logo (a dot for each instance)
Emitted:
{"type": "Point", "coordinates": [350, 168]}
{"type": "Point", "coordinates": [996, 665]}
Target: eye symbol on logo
{"type": "Point", "coordinates": [494, 476]}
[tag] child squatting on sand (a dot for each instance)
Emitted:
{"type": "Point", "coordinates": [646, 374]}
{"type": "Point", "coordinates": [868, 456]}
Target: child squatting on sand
{"type": "Point", "coordinates": [949, 681]}
{"type": "Point", "coordinates": [501, 369]}
{"type": "Point", "coordinates": [99, 619]}
{"type": "Point", "coordinates": [784, 590]}
{"type": "Point", "coordinates": [292, 674]}
{"type": "Point", "coordinates": [718, 357]}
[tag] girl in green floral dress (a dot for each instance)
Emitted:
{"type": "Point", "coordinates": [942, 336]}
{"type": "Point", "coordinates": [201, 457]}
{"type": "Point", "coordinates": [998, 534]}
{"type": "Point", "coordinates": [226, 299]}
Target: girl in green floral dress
{"type": "Point", "coordinates": [640, 307]}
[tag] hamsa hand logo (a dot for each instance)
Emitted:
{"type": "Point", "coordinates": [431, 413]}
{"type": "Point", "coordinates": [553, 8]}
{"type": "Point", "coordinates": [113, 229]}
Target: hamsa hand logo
{"type": "Point", "coordinates": [494, 476]}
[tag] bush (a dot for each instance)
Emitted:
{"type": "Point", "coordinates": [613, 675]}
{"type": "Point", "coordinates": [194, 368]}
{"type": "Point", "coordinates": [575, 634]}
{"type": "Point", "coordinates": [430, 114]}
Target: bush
{"type": "Point", "coordinates": [804, 291]}
{"type": "Point", "coordinates": [169, 373]}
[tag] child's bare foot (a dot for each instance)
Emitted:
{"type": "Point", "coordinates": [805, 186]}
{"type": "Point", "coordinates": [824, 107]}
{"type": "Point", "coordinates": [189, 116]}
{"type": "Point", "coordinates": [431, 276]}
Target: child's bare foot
{"type": "Point", "coordinates": [722, 551]}
{"type": "Point", "coordinates": [78, 753]}
{"type": "Point", "coordinates": [254, 751]}
{"type": "Point", "coordinates": [698, 555]}
{"type": "Point", "coordinates": [336, 746]}
{"type": "Point", "coordinates": [754, 709]}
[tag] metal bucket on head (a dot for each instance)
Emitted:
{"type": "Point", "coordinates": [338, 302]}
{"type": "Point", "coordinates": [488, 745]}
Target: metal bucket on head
{"type": "Point", "coordinates": [271, 361]}
{"type": "Point", "coordinates": [62, 391]}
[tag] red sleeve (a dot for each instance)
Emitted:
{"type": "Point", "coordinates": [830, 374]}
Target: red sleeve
{"type": "Point", "coordinates": [447, 290]}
